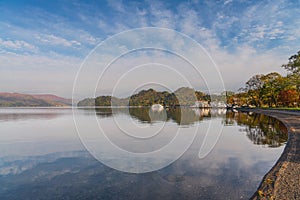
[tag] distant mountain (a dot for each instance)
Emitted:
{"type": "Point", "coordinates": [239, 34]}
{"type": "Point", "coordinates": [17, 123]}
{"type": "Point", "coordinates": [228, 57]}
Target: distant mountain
{"type": "Point", "coordinates": [53, 98]}
{"type": "Point", "coordinates": [27, 100]}
{"type": "Point", "coordinates": [90, 102]}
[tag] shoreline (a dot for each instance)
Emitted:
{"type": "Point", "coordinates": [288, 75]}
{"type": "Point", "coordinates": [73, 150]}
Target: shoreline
{"type": "Point", "coordinates": [283, 180]}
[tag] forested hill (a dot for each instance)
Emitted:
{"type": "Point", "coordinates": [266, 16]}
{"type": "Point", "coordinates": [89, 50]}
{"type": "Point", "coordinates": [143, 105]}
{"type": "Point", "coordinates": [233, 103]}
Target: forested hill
{"type": "Point", "coordinates": [27, 100]}
{"type": "Point", "coordinates": [182, 96]}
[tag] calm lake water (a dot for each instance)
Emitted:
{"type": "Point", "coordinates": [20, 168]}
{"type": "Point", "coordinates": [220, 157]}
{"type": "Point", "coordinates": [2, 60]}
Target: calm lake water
{"type": "Point", "coordinates": [42, 157]}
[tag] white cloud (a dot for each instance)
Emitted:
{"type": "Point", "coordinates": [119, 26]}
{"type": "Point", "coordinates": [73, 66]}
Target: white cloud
{"type": "Point", "coordinates": [224, 22]}
{"type": "Point", "coordinates": [238, 42]}
{"type": "Point", "coordinates": [227, 2]}
{"type": "Point", "coordinates": [262, 22]}
{"type": "Point", "coordinates": [236, 68]}
{"type": "Point", "coordinates": [85, 37]}
{"type": "Point", "coordinates": [162, 17]}
{"type": "Point", "coordinates": [191, 25]}
{"type": "Point", "coordinates": [55, 40]}
{"type": "Point", "coordinates": [17, 45]}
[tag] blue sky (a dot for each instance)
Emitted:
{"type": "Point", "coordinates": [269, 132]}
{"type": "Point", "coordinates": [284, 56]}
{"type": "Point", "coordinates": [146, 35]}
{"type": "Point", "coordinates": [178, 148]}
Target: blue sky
{"type": "Point", "coordinates": [43, 43]}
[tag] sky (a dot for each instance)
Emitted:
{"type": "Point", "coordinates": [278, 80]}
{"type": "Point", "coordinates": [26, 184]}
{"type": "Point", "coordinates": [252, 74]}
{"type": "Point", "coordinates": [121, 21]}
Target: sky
{"type": "Point", "coordinates": [43, 44]}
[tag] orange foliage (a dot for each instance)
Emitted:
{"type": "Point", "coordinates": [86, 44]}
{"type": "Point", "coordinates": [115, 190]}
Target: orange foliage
{"type": "Point", "coordinates": [288, 97]}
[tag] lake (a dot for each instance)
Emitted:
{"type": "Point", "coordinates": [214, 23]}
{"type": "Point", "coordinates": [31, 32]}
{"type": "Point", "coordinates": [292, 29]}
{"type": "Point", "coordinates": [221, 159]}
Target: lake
{"type": "Point", "coordinates": [219, 154]}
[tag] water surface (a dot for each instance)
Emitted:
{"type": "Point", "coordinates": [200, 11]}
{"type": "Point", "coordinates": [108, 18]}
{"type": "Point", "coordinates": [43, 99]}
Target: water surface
{"type": "Point", "coordinates": [42, 157]}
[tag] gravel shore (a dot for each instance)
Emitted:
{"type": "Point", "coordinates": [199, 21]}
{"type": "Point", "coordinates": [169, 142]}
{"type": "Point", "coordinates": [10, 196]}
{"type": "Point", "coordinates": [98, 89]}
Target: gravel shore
{"type": "Point", "coordinates": [282, 182]}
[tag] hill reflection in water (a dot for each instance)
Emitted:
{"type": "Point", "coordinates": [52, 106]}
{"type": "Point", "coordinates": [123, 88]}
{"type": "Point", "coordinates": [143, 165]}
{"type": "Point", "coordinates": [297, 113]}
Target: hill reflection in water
{"type": "Point", "coordinates": [21, 114]}
{"type": "Point", "coordinates": [182, 116]}
{"type": "Point", "coordinates": [260, 129]}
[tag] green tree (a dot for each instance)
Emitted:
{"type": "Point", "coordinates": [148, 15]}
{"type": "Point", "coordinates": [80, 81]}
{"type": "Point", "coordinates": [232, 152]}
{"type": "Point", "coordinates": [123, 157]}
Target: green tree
{"type": "Point", "coordinates": [103, 101]}
{"type": "Point", "coordinates": [271, 88]}
{"type": "Point", "coordinates": [253, 88]}
{"type": "Point", "coordinates": [293, 65]}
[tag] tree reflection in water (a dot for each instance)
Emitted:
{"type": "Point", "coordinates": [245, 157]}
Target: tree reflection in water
{"type": "Point", "coordinates": [182, 116]}
{"type": "Point", "coordinates": [260, 129]}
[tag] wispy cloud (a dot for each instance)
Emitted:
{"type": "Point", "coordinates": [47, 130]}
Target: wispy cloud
{"type": "Point", "coordinates": [227, 2]}
{"type": "Point", "coordinates": [243, 37]}
{"type": "Point", "coordinates": [17, 45]}
{"type": "Point", "coordinates": [162, 16]}
{"type": "Point", "coordinates": [116, 5]}
{"type": "Point", "coordinates": [55, 40]}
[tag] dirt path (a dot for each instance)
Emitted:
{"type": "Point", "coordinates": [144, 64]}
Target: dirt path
{"type": "Point", "coordinates": [282, 182]}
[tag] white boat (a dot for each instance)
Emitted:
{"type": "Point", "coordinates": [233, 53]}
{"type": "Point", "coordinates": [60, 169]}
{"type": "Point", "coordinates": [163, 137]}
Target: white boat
{"type": "Point", "coordinates": [157, 108]}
